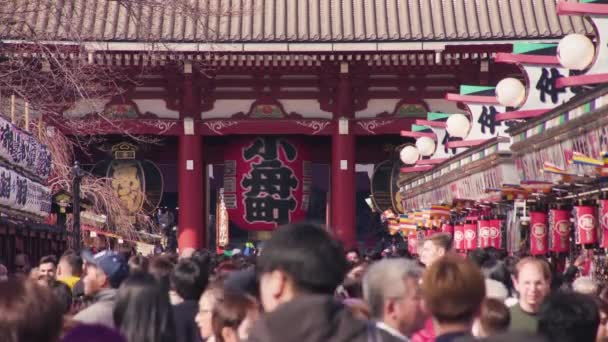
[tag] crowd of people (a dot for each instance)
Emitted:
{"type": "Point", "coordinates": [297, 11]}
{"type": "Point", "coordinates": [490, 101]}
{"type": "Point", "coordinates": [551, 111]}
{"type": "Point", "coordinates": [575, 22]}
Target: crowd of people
{"type": "Point", "coordinates": [301, 286]}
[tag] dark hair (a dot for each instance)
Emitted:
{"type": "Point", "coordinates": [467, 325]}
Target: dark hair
{"type": "Point", "coordinates": [314, 261]}
{"type": "Point", "coordinates": [143, 312]}
{"type": "Point", "coordinates": [569, 316]}
{"type": "Point", "coordinates": [138, 263]}
{"type": "Point", "coordinates": [478, 256]}
{"type": "Point", "coordinates": [495, 317]}
{"type": "Point", "coordinates": [28, 312]}
{"type": "Point", "coordinates": [500, 272]}
{"type": "Point", "coordinates": [74, 261]}
{"type": "Point", "coordinates": [161, 267]}
{"type": "Point", "coordinates": [442, 240]}
{"type": "Point", "coordinates": [48, 259]}
{"type": "Point", "coordinates": [230, 311]}
{"type": "Point", "coordinates": [63, 293]}
{"type": "Point", "coordinates": [188, 280]}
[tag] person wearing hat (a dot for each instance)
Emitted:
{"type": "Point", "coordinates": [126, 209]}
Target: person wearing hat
{"type": "Point", "coordinates": [104, 272]}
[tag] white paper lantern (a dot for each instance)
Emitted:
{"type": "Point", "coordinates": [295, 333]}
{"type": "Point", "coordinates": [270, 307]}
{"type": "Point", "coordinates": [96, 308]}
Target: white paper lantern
{"type": "Point", "coordinates": [409, 155]}
{"type": "Point", "coordinates": [458, 125]}
{"type": "Point", "coordinates": [575, 51]}
{"type": "Point", "coordinates": [426, 146]}
{"type": "Point", "coordinates": [510, 92]}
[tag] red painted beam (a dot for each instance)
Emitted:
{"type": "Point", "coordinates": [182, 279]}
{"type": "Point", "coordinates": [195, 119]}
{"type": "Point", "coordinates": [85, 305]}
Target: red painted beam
{"type": "Point", "coordinates": [382, 126]}
{"type": "Point", "coordinates": [436, 124]}
{"type": "Point", "coordinates": [466, 143]}
{"type": "Point", "coordinates": [269, 126]}
{"type": "Point", "coordinates": [581, 80]}
{"type": "Point", "coordinates": [525, 59]}
{"type": "Point", "coordinates": [576, 8]}
{"type": "Point", "coordinates": [471, 98]}
{"type": "Point", "coordinates": [411, 134]}
{"type": "Point", "coordinates": [521, 114]}
{"type": "Point", "coordinates": [416, 169]}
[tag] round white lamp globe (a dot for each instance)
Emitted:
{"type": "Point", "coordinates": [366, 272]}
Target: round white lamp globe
{"type": "Point", "coordinates": [426, 146]}
{"type": "Point", "coordinates": [458, 126]}
{"type": "Point", "coordinates": [409, 155]}
{"type": "Point", "coordinates": [510, 92]}
{"type": "Point", "coordinates": [575, 51]}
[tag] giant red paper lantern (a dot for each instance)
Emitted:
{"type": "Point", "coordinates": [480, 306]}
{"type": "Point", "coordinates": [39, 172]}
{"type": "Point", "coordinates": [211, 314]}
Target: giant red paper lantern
{"type": "Point", "coordinates": [484, 233]}
{"type": "Point", "coordinates": [459, 237]}
{"type": "Point", "coordinates": [470, 236]}
{"type": "Point", "coordinates": [586, 225]}
{"type": "Point", "coordinates": [559, 224]}
{"type": "Point", "coordinates": [496, 232]}
{"type": "Point", "coordinates": [538, 233]}
{"type": "Point", "coordinates": [267, 181]}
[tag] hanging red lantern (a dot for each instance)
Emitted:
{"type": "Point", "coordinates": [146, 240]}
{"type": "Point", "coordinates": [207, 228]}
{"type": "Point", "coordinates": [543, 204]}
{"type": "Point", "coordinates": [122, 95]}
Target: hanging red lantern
{"type": "Point", "coordinates": [604, 223]}
{"type": "Point", "coordinates": [459, 237]}
{"type": "Point", "coordinates": [496, 230]}
{"type": "Point", "coordinates": [470, 236]}
{"type": "Point", "coordinates": [538, 233]}
{"type": "Point", "coordinates": [484, 233]}
{"type": "Point", "coordinates": [586, 225]}
{"type": "Point", "coordinates": [559, 236]}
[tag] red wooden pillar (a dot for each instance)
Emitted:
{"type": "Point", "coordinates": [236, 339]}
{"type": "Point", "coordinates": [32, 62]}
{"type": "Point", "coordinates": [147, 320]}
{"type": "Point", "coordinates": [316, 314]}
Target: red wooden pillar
{"type": "Point", "coordinates": [343, 192]}
{"type": "Point", "coordinates": [191, 224]}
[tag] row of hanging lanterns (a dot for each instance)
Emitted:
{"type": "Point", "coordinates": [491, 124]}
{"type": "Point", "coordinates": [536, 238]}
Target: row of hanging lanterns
{"type": "Point", "coordinates": [574, 51]}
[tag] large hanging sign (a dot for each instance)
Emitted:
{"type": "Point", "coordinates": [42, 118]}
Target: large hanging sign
{"type": "Point", "coordinates": [21, 150]}
{"type": "Point", "coordinates": [267, 181]}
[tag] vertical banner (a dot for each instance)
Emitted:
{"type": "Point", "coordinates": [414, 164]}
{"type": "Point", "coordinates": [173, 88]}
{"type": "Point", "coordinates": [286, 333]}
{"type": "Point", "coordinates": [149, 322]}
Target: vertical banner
{"type": "Point", "coordinates": [497, 231]}
{"type": "Point", "coordinates": [267, 181]}
{"type": "Point", "coordinates": [604, 223]}
{"type": "Point", "coordinates": [484, 233]}
{"type": "Point", "coordinates": [222, 223]}
{"type": "Point", "coordinates": [559, 237]}
{"type": "Point", "coordinates": [586, 225]}
{"type": "Point", "coordinates": [459, 237]}
{"type": "Point", "coordinates": [470, 236]}
{"type": "Point", "coordinates": [538, 233]}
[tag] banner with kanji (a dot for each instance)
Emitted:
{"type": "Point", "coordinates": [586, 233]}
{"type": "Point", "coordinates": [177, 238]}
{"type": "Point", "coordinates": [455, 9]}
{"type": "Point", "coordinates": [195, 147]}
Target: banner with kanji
{"type": "Point", "coordinates": [267, 181]}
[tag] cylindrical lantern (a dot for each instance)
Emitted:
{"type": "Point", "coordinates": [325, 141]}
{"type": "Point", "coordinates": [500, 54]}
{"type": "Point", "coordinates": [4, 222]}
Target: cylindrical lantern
{"type": "Point", "coordinates": [559, 237]}
{"type": "Point", "coordinates": [576, 51]}
{"type": "Point", "coordinates": [470, 236]}
{"type": "Point", "coordinates": [496, 233]}
{"type": "Point", "coordinates": [458, 125]}
{"type": "Point", "coordinates": [267, 181]}
{"type": "Point", "coordinates": [426, 146]}
{"type": "Point", "coordinates": [604, 223]}
{"type": "Point", "coordinates": [459, 237]}
{"type": "Point", "coordinates": [538, 233]}
{"type": "Point", "coordinates": [586, 225]}
{"type": "Point", "coordinates": [484, 233]}
{"type": "Point", "coordinates": [510, 92]}
{"type": "Point", "coordinates": [409, 155]}
{"type": "Point", "coordinates": [412, 242]}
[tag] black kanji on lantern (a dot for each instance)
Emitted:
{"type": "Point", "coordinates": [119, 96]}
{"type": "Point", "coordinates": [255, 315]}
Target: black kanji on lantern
{"type": "Point", "coordinates": [487, 119]}
{"type": "Point", "coordinates": [546, 85]}
{"type": "Point", "coordinates": [269, 182]}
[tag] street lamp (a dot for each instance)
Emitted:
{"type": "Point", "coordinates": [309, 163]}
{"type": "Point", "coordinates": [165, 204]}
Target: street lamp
{"type": "Point", "coordinates": [78, 174]}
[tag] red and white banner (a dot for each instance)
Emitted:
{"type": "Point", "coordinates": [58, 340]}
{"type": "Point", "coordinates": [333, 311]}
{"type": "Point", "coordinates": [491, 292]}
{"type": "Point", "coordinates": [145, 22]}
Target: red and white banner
{"type": "Point", "coordinates": [538, 233]}
{"type": "Point", "coordinates": [484, 233]}
{"type": "Point", "coordinates": [459, 237]}
{"type": "Point", "coordinates": [470, 236]}
{"type": "Point", "coordinates": [559, 237]}
{"type": "Point", "coordinates": [267, 181]}
{"type": "Point", "coordinates": [496, 230]}
{"type": "Point", "coordinates": [586, 225]}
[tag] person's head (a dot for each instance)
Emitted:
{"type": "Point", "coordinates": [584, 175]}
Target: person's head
{"type": "Point", "coordinates": [297, 259]}
{"type": "Point", "coordinates": [213, 293]}
{"type": "Point", "coordinates": [70, 265]}
{"type": "Point", "coordinates": [532, 280]}
{"type": "Point", "coordinates": [28, 312]}
{"type": "Point", "coordinates": [142, 311]}
{"type": "Point", "coordinates": [63, 293]}
{"type": "Point", "coordinates": [585, 285]}
{"type": "Point", "coordinates": [22, 264]}
{"type": "Point", "coordinates": [494, 318]}
{"type": "Point", "coordinates": [569, 316]}
{"type": "Point", "coordinates": [453, 289]}
{"type": "Point", "coordinates": [434, 247]}
{"type": "Point", "coordinates": [188, 280]}
{"type": "Point", "coordinates": [391, 288]}
{"type": "Point", "coordinates": [602, 330]}
{"type": "Point", "coordinates": [138, 263]}
{"type": "Point", "coordinates": [47, 268]}
{"type": "Point", "coordinates": [92, 333]}
{"type": "Point", "coordinates": [104, 270]}
{"type": "Point", "coordinates": [233, 317]}
{"type": "Point", "coordinates": [161, 267]}
{"type": "Point", "coordinates": [353, 256]}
